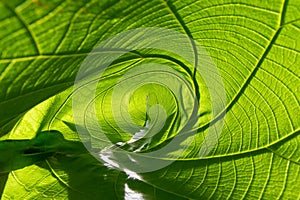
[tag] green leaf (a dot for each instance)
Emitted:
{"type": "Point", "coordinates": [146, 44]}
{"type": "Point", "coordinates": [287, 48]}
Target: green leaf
{"type": "Point", "coordinates": [245, 147]}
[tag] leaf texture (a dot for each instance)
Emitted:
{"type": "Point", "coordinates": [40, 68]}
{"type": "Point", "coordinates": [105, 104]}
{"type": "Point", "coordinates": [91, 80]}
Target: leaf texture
{"type": "Point", "coordinates": [255, 47]}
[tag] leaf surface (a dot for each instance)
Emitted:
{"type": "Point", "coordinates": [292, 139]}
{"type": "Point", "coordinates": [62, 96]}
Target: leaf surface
{"type": "Point", "coordinates": [255, 47]}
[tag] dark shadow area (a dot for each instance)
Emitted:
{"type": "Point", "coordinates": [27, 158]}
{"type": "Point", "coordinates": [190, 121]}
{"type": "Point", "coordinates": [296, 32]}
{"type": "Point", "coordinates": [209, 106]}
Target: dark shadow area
{"type": "Point", "coordinates": [3, 179]}
{"type": "Point", "coordinates": [87, 178]}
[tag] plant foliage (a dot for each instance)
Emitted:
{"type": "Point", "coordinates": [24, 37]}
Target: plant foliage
{"type": "Point", "coordinates": [255, 46]}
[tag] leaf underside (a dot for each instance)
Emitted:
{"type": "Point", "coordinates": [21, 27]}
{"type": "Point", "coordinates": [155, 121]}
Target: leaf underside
{"type": "Point", "coordinates": [255, 46]}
